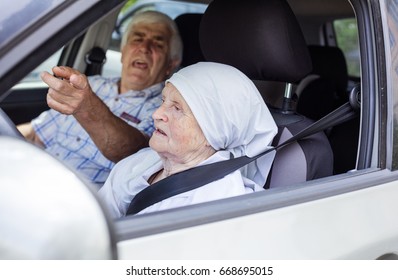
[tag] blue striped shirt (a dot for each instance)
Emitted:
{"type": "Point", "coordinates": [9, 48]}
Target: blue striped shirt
{"type": "Point", "coordinates": [63, 136]}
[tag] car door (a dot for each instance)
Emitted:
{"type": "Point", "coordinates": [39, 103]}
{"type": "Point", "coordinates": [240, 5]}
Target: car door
{"type": "Point", "coordinates": [35, 187]}
{"type": "Point", "coordinates": [346, 216]}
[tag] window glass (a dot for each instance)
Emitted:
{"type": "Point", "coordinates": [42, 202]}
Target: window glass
{"type": "Point", "coordinates": [347, 40]}
{"type": "Point", "coordinates": [392, 47]}
{"type": "Point", "coordinates": [113, 66]}
{"type": "Point", "coordinates": [170, 8]}
{"type": "Point", "coordinates": [21, 14]}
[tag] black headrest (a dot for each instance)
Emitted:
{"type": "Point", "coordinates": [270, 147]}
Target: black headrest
{"type": "Point", "coordinates": [329, 62]}
{"type": "Point", "coordinates": [188, 25]}
{"type": "Point", "coordinates": [262, 38]}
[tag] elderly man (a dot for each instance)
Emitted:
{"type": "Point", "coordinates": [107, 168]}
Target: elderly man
{"type": "Point", "coordinates": [94, 122]}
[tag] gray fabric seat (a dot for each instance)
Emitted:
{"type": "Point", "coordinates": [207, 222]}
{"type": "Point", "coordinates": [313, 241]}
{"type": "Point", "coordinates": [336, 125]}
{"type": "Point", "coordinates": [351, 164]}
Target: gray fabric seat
{"type": "Point", "coordinates": [321, 92]}
{"type": "Point", "coordinates": [271, 47]}
{"type": "Point", "coordinates": [325, 88]}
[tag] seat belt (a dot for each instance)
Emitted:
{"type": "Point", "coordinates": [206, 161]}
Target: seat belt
{"type": "Point", "coordinates": [94, 59]}
{"type": "Point", "coordinates": [194, 178]}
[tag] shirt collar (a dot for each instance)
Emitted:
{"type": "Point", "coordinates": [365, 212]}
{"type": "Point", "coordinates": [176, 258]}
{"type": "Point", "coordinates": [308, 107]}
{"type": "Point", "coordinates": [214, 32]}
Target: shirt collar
{"type": "Point", "coordinates": [149, 92]}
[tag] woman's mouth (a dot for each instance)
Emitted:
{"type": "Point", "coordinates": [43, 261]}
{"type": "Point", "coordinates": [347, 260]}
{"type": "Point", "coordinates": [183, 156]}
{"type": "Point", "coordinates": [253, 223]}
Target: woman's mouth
{"type": "Point", "coordinates": [160, 132]}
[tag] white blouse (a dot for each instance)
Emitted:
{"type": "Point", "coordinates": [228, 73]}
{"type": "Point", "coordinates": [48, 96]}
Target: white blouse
{"type": "Point", "coordinates": [131, 175]}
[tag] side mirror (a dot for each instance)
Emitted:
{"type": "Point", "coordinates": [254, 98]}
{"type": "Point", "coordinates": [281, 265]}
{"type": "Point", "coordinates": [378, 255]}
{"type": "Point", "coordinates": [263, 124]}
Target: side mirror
{"type": "Point", "coordinates": [46, 212]}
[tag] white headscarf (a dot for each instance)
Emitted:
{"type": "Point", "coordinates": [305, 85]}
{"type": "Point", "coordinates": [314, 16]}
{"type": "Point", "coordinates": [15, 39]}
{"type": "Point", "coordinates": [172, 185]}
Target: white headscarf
{"type": "Point", "coordinates": [230, 111]}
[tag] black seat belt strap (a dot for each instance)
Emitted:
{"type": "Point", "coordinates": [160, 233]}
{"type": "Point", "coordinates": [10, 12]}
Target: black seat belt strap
{"type": "Point", "coordinates": [95, 58]}
{"type": "Point", "coordinates": [193, 178]}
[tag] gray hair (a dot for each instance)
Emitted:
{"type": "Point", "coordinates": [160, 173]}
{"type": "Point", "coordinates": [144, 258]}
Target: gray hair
{"type": "Point", "coordinates": [157, 17]}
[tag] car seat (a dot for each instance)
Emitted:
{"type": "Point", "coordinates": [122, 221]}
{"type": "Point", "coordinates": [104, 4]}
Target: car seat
{"type": "Point", "coordinates": [325, 88]}
{"type": "Point", "coordinates": [188, 26]}
{"type": "Point", "coordinates": [263, 39]}
{"type": "Point", "coordinates": [321, 92]}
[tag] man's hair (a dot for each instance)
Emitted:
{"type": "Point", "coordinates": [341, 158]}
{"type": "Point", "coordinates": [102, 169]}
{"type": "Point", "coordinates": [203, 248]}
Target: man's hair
{"type": "Point", "coordinates": [157, 17]}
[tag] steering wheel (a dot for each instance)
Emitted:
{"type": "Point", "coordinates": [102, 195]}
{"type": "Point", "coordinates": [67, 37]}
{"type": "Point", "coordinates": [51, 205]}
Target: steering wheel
{"type": "Point", "coordinates": [7, 127]}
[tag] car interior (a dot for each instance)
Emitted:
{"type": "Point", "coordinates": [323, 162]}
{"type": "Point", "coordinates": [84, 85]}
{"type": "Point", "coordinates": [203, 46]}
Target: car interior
{"type": "Point", "coordinates": [288, 48]}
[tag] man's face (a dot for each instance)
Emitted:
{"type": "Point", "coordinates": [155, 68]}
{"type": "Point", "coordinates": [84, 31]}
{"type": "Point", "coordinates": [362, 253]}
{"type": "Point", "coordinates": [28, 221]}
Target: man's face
{"type": "Point", "coordinates": [146, 56]}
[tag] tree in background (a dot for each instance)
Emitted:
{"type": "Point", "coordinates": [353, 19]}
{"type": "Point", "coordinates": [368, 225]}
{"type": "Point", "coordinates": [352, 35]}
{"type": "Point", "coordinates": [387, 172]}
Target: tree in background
{"type": "Point", "coordinates": [128, 4]}
{"type": "Point", "coordinates": [347, 39]}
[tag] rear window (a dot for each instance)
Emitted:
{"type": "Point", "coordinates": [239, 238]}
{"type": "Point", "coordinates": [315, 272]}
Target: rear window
{"type": "Point", "coordinates": [347, 40]}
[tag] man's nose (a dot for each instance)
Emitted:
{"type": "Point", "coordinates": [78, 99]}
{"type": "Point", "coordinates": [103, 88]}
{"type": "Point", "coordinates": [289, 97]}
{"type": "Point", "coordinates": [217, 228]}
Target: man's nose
{"type": "Point", "coordinates": [145, 45]}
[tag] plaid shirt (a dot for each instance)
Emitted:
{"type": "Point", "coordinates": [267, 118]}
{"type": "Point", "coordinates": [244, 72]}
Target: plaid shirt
{"type": "Point", "coordinates": [63, 136]}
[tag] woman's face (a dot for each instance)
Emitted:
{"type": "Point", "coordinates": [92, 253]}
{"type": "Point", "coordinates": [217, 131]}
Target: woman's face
{"type": "Point", "coordinates": [177, 134]}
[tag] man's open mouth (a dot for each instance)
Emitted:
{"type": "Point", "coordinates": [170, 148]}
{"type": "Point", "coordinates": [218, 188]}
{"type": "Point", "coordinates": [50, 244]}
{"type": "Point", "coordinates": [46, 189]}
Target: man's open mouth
{"type": "Point", "coordinates": [140, 64]}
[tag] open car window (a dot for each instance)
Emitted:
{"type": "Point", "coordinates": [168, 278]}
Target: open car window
{"type": "Point", "coordinates": [347, 40]}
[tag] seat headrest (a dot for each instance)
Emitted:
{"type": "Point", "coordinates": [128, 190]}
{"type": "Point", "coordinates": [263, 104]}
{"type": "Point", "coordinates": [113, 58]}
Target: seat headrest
{"type": "Point", "coordinates": [329, 62]}
{"type": "Point", "coordinates": [188, 26]}
{"type": "Point", "coordinates": [261, 38]}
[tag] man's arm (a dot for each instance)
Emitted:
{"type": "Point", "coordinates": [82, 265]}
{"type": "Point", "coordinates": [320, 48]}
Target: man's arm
{"type": "Point", "coordinates": [29, 133]}
{"type": "Point", "coordinates": [113, 136]}
{"type": "Point", "coordinates": [72, 95]}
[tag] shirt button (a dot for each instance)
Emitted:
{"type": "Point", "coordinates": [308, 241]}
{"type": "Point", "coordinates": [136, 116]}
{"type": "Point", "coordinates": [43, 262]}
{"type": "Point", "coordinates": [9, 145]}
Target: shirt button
{"type": "Point", "coordinates": [78, 139]}
{"type": "Point", "coordinates": [116, 99]}
{"type": "Point", "coordinates": [57, 154]}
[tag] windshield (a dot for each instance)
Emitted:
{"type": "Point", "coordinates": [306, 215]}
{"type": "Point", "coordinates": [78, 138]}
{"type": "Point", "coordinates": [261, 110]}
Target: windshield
{"type": "Point", "coordinates": [21, 14]}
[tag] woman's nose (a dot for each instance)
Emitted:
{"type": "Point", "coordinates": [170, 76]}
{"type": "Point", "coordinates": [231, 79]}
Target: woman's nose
{"type": "Point", "coordinates": [159, 114]}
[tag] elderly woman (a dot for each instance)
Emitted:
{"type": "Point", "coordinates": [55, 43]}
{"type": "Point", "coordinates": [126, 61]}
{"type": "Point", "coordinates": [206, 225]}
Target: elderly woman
{"type": "Point", "coordinates": [210, 112]}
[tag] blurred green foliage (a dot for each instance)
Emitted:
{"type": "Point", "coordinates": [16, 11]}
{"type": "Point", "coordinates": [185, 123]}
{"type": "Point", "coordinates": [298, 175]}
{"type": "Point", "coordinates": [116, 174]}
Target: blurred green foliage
{"type": "Point", "coordinates": [128, 4]}
{"type": "Point", "coordinates": [347, 39]}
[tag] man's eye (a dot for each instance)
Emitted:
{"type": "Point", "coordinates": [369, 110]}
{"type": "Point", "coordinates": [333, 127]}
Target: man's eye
{"type": "Point", "coordinates": [136, 40]}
